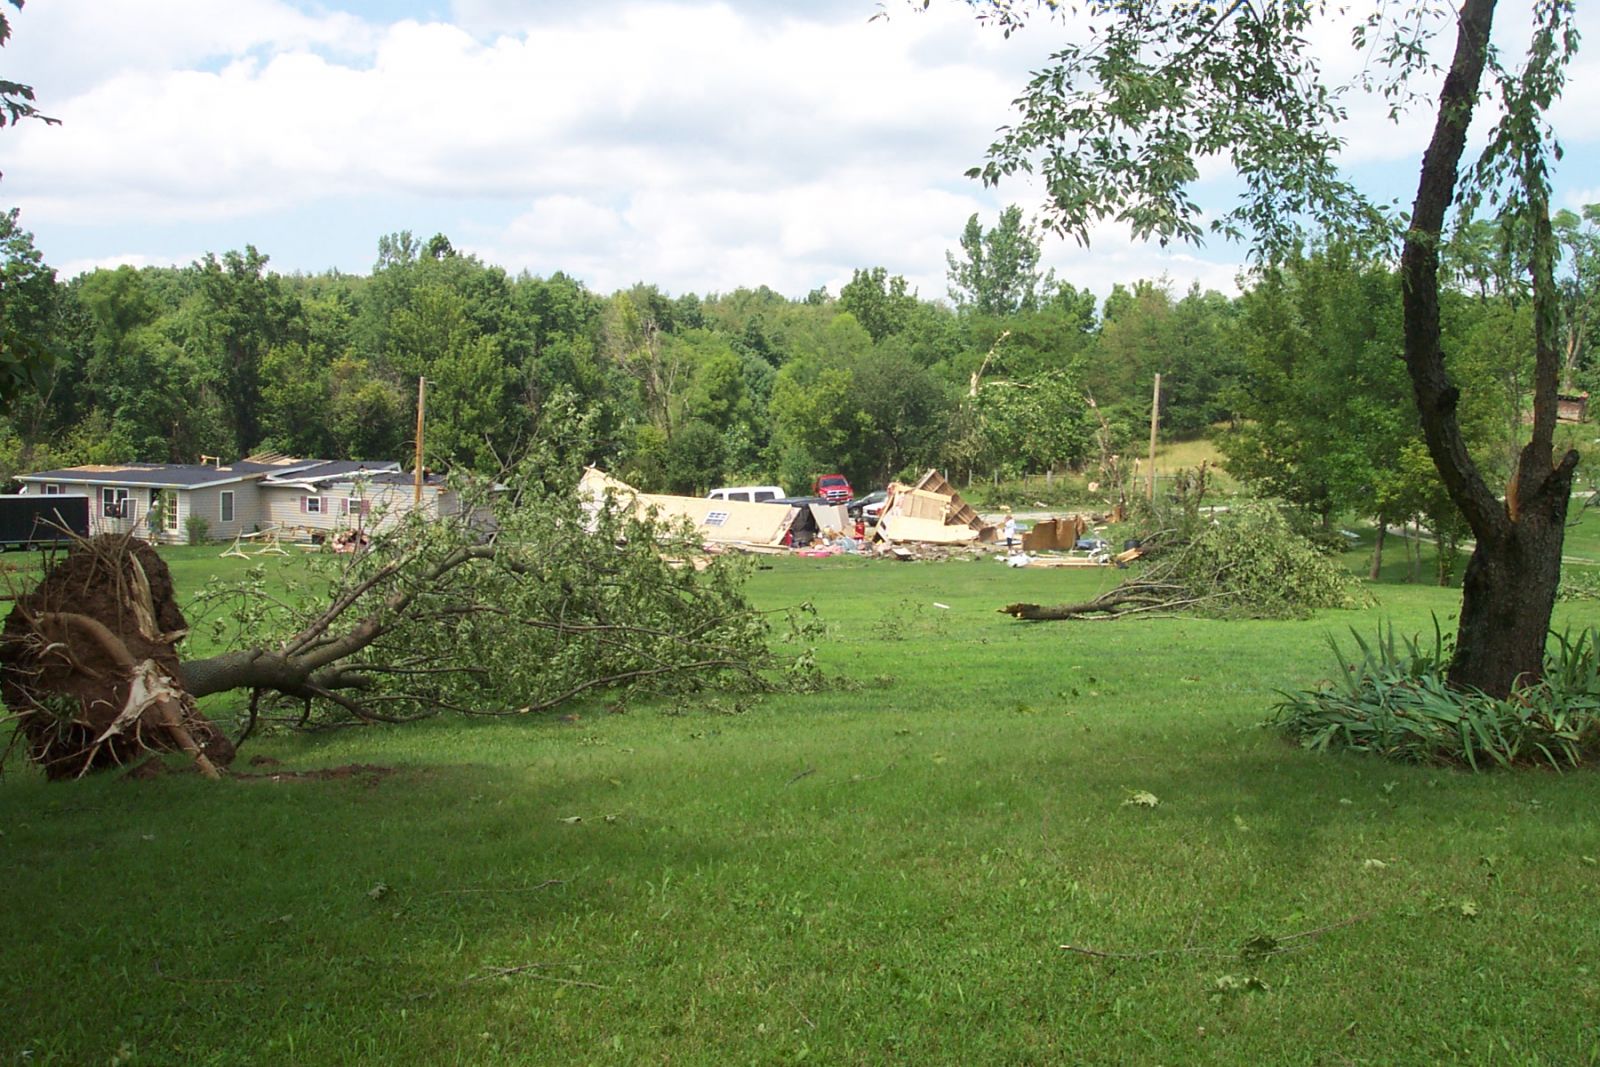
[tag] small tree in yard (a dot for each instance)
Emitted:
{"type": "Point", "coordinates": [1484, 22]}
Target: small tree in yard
{"type": "Point", "coordinates": [1117, 125]}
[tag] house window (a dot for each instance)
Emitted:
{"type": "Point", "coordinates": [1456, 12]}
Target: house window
{"type": "Point", "coordinates": [717, 518]}
{"type": "Point", "coordinates": [114, 503]}
{"type": "Point", "coordinates": [311, 505]}
{"type": "Point", "coordinates": [52, 490]}
{"type": "Point", "coordinates": [227, 505]}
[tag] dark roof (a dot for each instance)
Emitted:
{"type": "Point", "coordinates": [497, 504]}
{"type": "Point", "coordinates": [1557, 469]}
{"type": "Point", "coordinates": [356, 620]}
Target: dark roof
{"type": "Point", "coordinates": [196, 475]}
{"type": "Point", "coordinates": [161, 475]}
{"type": "Point", "coordinates": [405, 478]}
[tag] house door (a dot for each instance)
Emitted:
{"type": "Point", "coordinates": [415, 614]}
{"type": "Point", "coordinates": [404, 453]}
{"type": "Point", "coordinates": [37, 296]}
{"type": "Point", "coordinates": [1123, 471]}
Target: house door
{"type": "Point", "coordinates": [163, 516]}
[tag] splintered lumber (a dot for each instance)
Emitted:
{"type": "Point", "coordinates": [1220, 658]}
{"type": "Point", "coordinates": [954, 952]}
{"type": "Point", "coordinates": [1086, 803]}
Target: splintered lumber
{"type": "Point", "coordinates": [960, 511]}
{"type": "Point", "coordinates": [931, 512]}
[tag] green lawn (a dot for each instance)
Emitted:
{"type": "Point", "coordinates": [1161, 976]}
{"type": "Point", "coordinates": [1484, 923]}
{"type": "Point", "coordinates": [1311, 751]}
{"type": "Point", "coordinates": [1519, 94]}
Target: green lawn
{"type": "Point", "coordinates": [880, 873]}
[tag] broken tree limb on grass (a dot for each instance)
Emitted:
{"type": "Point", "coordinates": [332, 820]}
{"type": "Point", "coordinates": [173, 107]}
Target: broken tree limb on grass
{"type": "Point", "coordinates": [1245, 563]}
{"type": "Point", "coordinates": [1121, 601]}
{"type": "Point", "coordinates": [433, 617]}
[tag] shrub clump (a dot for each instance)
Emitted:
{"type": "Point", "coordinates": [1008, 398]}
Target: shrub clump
{"type": "Point", "coordinates": [1242, 563]}
{"type": "Point", "coordinates": [1394, 700]}
{"type": "Point", "coordinates": [1248, 562]}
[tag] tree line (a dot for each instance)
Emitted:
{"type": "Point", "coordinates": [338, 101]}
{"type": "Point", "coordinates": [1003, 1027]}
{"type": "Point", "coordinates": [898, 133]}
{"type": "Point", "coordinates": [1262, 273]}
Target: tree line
{"type": "Point", "coordinates": [1013, 373]}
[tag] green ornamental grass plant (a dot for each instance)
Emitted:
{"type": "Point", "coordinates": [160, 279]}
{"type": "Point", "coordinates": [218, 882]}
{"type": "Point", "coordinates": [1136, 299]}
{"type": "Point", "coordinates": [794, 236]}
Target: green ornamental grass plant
{"type": "Point", "coordinates": [1393, 700]}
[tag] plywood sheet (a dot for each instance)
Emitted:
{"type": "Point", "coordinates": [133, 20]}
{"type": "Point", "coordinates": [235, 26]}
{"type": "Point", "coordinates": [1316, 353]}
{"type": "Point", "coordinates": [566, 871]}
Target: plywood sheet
{"type": "Point", "coordinates": [1054, 535]}
{"type": "Point", "coordinates": [921, 504]}
{"type": "Point", "coordinates": [831, 517]}
{"type": "Point", "coordinates": [724, 521]}
{"type": "Point", "coordinates": [931, 531]}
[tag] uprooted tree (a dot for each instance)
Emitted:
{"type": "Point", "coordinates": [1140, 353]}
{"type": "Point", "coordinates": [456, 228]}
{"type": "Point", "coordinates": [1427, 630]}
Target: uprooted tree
{"type": "Point", "coordinates": [1118, 121]}
{"type": "Point", "coordinates": [1245, 562]}
{"type": "Point", "coordinates": [437, 614]}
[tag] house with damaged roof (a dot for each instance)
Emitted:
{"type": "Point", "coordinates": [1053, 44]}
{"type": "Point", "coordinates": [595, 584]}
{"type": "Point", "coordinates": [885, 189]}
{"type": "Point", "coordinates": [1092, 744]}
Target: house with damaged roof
{"type": "Point", "coordinates": [267, 491]}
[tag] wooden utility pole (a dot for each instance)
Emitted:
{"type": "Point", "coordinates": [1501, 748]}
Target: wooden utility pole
{"type": "Point", "coordinates": [422, 399]}
{"type": "Point", "coordinates": [1155, 419]}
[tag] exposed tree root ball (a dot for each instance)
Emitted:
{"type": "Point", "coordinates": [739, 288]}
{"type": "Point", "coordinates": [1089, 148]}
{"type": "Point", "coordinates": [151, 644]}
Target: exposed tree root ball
{"type": "Point", "coordinates": [87, 664]}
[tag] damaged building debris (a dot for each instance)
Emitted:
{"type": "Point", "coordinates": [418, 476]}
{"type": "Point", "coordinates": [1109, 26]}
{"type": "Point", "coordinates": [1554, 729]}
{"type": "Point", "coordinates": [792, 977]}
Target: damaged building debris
{"type": "Point", "coordinates": [927, 519]}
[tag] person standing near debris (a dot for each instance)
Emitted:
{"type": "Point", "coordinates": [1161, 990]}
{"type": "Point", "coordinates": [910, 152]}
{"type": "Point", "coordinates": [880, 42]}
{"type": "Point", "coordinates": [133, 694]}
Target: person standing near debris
{"type": "Point", "coordinates": [1009, 529]}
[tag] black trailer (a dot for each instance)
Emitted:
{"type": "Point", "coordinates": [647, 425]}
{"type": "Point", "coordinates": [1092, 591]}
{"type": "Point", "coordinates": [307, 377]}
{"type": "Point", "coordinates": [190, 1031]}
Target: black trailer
{"type": "Point", "coordinates": [29, 520]}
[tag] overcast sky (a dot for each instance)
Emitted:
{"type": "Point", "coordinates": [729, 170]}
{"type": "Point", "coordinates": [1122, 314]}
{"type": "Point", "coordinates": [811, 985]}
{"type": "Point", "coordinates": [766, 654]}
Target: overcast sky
{"type": "Point", "coordinates": [698, 146]}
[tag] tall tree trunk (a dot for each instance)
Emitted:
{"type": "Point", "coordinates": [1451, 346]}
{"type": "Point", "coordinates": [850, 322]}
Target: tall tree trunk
{"type": "Point", "coordinates": [1509, 589]}
{"type": "Point", "coordinates": [1507, 595]}
{"type": "Point", "coordinates": [1377, 551]}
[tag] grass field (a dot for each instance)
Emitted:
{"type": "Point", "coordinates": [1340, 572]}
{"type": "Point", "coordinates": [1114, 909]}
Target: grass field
{"type": "Point", "coordinates": [883, 873]}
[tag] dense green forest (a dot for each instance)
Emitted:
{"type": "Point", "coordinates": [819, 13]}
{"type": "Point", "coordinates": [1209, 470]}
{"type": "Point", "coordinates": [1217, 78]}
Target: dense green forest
{"type": "Point", "coordinates": [1010, 373]}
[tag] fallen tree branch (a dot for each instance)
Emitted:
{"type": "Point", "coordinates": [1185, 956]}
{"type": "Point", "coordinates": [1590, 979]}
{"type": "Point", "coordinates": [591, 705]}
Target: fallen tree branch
{"type": "Point", "coordinates": [532, 970]}
{"type": "Point", "coordinates": [562, 602]}
{"type": "Point", "coordinates": [1260, 945]}
{"type": "Point", "coordinates": [547, 883]}
{"type": "Point", "coordinates": [1243, 563]}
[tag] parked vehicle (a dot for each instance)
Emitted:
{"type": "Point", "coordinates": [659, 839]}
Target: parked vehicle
{"type": "Point", "coordinates": [751, 494]}
{"type": "Point", "coordinates": [30, 520]}
{"type": "Point", "coordinates": [834, 488]}
{"type": "Point", "coordinates": [867, 508]}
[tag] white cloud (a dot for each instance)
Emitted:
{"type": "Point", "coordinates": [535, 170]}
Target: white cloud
{"type": "Point", "coordinates": [74, 267]}
{"type": "Point", "coordinates": [64, 46]}
{"type": "Point", "coordinates": [698, 145]}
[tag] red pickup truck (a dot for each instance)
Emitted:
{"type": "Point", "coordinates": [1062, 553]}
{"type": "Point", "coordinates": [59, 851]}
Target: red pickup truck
{"type": "Point", "coordinates": [834, 488]}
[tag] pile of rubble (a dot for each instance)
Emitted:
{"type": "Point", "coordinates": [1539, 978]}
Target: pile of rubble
{"type": "Point", "coordinates": [926, 520]}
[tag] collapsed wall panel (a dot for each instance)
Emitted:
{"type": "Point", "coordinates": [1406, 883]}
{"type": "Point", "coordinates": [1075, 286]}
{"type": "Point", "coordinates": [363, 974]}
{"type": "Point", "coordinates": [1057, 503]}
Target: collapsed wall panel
{"type": "Point", "coordinates": [1054, 535]}
{"type": "Point", "coordinates": [834, 517]}
{"type": "Point", "coordinates": [959, 510]}
{"type": "Point", "coordinates": [715, 521]}
{"type": "Point", "coordinates": [931, 531]}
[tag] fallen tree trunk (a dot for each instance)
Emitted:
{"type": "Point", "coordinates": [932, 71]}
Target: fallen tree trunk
{"type": "Point", "coordinates": [1131, 598]}
{"type": "Point", "coordinates": [433, 617]}
{"type": "Point", "coordinates": [1245, 563]}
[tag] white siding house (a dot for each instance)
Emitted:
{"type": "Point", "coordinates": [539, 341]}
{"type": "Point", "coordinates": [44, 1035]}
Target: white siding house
{"type": "Point", "coordinates": [298, 497]}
